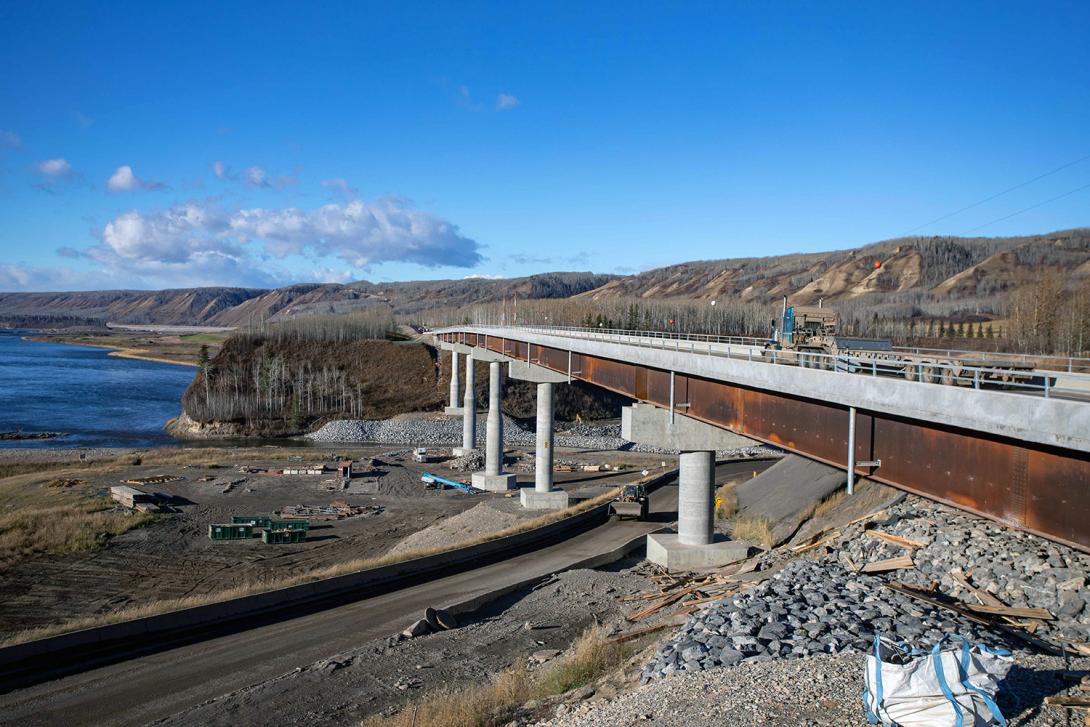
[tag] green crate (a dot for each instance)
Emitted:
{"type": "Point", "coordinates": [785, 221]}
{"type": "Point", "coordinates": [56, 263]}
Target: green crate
{"type": "Point", "coordinates": [230, 531]}
{"type": "Point", "coordinates": [280, 537]}
{"type": "Point", "coordinates": [289, 525]}
{"type": "Point", "coordinates": [258, 521]}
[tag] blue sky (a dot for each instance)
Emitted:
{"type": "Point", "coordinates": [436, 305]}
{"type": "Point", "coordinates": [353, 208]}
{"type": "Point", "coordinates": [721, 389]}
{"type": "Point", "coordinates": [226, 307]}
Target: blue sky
{"type": "Point", "coordinates": [148, 146]}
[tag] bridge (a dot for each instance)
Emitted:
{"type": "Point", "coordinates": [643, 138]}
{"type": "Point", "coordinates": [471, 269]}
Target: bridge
{"type": "Point", "coordinates": [1018, 453]}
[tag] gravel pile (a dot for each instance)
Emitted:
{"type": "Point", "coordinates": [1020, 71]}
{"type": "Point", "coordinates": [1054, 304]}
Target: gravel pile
{"type": "Point", "coordinates": [1019, 569]}
{"type": "Point", "coordinates": [808, 608]}
{"type": "Point", "coordinates": [448, 432]}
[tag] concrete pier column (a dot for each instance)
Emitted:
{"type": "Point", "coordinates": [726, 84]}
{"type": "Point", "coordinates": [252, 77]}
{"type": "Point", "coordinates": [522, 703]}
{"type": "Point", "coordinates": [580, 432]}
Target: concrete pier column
{"type": "Point", "coordinates": [493, 458]}
{"type": "Point", "coordinates": [696, 482]}
{"type": "Point", "coordinates": [469, 414]}
{"type": "Point", "coordinates": [543, 461]}
{"type": "Point", "coordinates": [455, 390]}
{"type": "Point", "coordinates": [493, 478]}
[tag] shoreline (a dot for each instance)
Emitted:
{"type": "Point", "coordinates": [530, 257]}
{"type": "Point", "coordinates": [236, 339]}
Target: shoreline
{"type": "Point", "coordinates": [137, 354]}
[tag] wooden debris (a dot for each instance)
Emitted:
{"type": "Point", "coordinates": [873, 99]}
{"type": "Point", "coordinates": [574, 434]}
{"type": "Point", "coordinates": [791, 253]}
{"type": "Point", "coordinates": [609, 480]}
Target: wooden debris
{"type": "Point", "coordinates": [803, 548]}
{"type": "Point", "coordinates": [881, 566]}
{"type": "Point", "coordinates": [961, 608]}
{"type": "Point", "coordinates": [848, 562]}
{"type": "Point", "coordinates": [641, 632]}
{"type": "Point", "coordinates": [985, 598]}
{"type": "Point", "coordinates": [1079, 647]}
{"type": "Point", "coordinates": [896, 539]}
{"type": "Point", "coordinates": [1037, 613]}
{"type": "Point", "coordinates": [156, 480]}
{"type": "Point", "coordinates": [869, 516]}
{"type": "Point", "coordinates": [1063, 700]}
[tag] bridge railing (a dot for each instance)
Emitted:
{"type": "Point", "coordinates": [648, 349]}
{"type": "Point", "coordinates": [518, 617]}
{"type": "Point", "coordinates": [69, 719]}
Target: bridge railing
{"type": "Point", "coordinates": [912, 365]}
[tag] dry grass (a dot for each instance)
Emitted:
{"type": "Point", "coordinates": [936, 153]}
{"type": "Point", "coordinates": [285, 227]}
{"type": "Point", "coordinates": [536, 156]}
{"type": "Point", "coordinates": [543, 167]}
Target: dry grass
{"type": "Point", "coordinates": [726, 501]}
{"type": "Point", "coordinates": [753, 529]}
{"type": "Point", "coordinates": [829, 504]}
{"type": "Point", "coordinates": [493, 704]}
{"type": "Point", "coordinates": [249, 589]}
{"type": "Point", "coordinates": [62, 529]}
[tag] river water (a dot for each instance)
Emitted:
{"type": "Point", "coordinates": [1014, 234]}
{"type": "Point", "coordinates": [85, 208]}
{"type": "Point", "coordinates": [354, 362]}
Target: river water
{"type": "Point", "coordinates": [99, 400]}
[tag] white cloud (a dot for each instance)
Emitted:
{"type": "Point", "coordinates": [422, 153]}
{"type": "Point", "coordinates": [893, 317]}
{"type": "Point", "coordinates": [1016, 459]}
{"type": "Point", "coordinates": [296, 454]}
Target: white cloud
{"type": "Point", "coordinates": [220, 170]}
{"type": "Point", "coordinates": [54, 168]}
{"type": "Point", "coordinates": [255, 177]}
{"type": "Point", "coordinates": [201, 243]}
{"type": "Point", "coordinates": [124, 180]}
{"type": "Point", "coordinates": [360, 233]}
{"type": "Point", "coordinates": [506, 101]}
{"type": "Point", "coordinates": [10, 139]}
{"type": "Point", "coordinates": [341, 186]}
{"type": "Point", "coordinates": [82, 119]}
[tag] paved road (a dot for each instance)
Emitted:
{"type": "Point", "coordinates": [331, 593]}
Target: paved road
{"type": "Point", "coordinates": [151, 687]}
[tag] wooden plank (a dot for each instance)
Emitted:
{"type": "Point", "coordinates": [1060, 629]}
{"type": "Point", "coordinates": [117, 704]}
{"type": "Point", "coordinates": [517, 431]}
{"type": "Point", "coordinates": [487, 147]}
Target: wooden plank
{"type": "Point", "coordinates": [641, 632]}
{"type": "Point", "coordinates": [1063, 700]}
{"type": "Point", "coordinates": [896, 539]}
{"type": "Point", "coordinates": [912, 592]}
{"type": "Point", "coordinates": [1038, 613]}
{"type": "Point", "coordinates": [983, 596]}
{"type": "Point", "coordinates": [803, 548]}
{"type": "Point", "coordinates": [881, 566]}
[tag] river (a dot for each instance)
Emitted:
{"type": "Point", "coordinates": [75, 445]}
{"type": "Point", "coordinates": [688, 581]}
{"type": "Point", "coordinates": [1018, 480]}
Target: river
{"type": "Point", "coordinates": [99, 400]}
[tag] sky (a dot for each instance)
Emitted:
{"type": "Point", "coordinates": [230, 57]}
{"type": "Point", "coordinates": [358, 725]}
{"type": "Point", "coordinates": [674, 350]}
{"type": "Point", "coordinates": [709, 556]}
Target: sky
{"type": "Point", "coordinates": [156, 145]}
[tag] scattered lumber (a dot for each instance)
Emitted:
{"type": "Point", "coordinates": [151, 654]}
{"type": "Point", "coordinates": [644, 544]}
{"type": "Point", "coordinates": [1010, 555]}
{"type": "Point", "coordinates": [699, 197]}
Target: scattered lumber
{"type": "Point", "coordinates": [1042, 614]}
{"type": "Point", "coordinates": [848, 562]}
{"type": "Point", "coordinates": [869, 516]}
{"type": "Point", "coordinates": [961, 608]}
{"type": "Point", "coordinates": [817, 543]}
{"type": "Point", "coordinates": [985, 598]}
{"type": "Point", "coordinates": [895, 539]}
{"type": "Point", "coordinates": [641, 632]}
{"type": "Point", "coordinates": [882, 566]}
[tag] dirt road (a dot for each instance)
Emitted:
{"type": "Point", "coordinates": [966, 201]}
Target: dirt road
{"type": "Point", "coordinates": [157, 686]}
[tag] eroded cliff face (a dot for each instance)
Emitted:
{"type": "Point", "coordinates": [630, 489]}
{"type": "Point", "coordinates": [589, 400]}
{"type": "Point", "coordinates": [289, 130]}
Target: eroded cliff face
{"type": "Point", "coordinates": [185, 427]}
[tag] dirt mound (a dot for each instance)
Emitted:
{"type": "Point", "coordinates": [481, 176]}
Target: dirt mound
{"type": "Point", "coordinates": [480, 520]}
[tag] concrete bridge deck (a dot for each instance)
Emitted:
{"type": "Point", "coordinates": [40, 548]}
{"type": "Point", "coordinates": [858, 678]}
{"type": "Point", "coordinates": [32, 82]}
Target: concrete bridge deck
{"type": "Point", "coordinates": [1023, 460]}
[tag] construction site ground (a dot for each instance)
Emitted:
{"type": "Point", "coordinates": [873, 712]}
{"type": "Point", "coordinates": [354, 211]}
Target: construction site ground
{"type": "Point", "coordinates": [172, 556]}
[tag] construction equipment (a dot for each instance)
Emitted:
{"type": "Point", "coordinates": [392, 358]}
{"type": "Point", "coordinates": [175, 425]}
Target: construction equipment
{"type": "Point", "coordinates": [806, 336]}
{"type": "Point", "coordinates": [440, 482]}
{"type": "Point", "coordinates": [632, 502]}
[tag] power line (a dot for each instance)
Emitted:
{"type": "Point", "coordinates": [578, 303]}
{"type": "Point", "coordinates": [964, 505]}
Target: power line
{"type": "Point", "coordinates": [997, 195]}
{"type": "Point", "coordinates": [1027, 209]}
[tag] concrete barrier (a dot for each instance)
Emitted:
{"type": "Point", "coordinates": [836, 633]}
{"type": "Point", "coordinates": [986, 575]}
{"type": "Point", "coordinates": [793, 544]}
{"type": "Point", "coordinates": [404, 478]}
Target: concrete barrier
{"type": "Point", "coordinates": [97, 644]}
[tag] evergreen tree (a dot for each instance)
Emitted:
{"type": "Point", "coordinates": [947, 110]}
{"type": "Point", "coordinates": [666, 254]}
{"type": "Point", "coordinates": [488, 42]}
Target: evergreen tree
{"type": "Point", "coordinates": [942, 330]}
{"type": "Point", "coordinates": [991, 334]}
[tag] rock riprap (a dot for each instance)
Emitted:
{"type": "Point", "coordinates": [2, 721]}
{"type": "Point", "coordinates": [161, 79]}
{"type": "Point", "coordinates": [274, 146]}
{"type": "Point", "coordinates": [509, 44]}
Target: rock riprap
{"type": "Point", "coordinates": [1020, 569]}
{"type": "Point", "coordinates": [808, 608]}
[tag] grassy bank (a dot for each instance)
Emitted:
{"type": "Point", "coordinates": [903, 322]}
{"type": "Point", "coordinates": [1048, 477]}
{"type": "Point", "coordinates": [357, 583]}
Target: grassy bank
{"type": "Point", "coordinates": [495, 703]}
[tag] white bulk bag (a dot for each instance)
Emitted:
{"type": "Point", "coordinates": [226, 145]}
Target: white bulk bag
{"type": "Point", "coordinates": [946, 687]}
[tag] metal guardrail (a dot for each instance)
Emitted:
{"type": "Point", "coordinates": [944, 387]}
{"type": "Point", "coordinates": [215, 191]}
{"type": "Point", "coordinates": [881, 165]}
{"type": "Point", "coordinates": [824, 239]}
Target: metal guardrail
{"type": "Point", "coordinates": [888, 364]}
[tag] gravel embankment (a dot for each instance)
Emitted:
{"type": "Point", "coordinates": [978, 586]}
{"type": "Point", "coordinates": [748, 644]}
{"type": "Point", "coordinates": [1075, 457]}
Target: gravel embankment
{"type": "Point", "coordinates": [446, 431]}
{"type": "Point", "coordinates": [822, 691]}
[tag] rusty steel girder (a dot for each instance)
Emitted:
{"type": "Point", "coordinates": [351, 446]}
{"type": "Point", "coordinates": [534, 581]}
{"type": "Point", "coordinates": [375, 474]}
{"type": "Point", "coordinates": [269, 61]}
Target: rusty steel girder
{"type": "Point", "coordinates": [1042, 489]}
